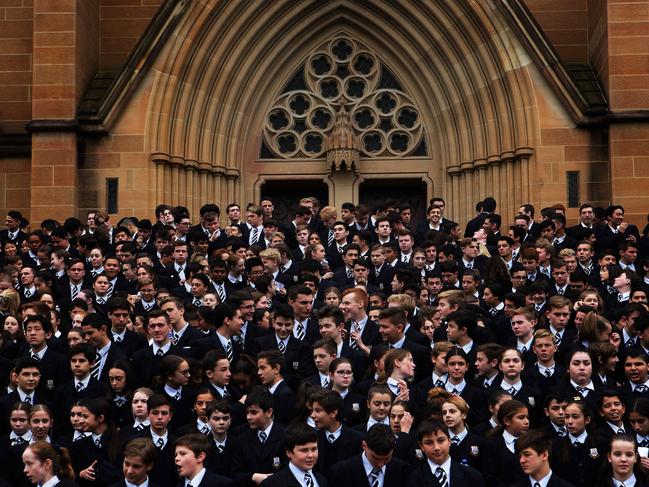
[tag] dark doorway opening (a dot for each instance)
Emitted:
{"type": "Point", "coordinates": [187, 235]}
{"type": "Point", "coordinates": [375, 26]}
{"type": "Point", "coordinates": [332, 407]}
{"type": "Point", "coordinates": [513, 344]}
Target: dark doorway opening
{"type": "Point", "coordinates": [287, 193]}
{"type": "Point", "coordinates": [411, 191]}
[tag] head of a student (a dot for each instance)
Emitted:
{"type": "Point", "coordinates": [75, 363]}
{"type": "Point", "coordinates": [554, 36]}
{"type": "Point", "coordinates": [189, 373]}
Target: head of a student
{"type": "Point", "coordinates": [379, 400]}
{"type": "Point", "coordinates": [578, 416]}
{"type": "Point", "coordinates": [513, 416]}
{"type": "Point", "coordinates": [457, 363]}
{"type": "Point", "coordinates": [324, 352]}
{"type": "Point", "coordinates": [139, 403]}
{"type": "Point", "coordinates": [392, 322]}
{"type": "Point", "coordinates": [511, 363]}
{"type": "Point", "coordinates": [635, 366]}
{"type": "Point", "coordinates": [301, 446]}
{"type": "Point", "coordinates": [434, 441]}
{"type": "Point", "coordinates": [96, 415]}
{"type": "Point", "coordinates": [523, 323]}
{"type": "Point", "coordinates": [438, 357]}
{"type": "Point", "coordinates": [190, 454]}
{"type": "Point", "coordinates": [399, 364]}
{"type": "Point", "coordinates": [216, 368]}
{"type": "Point", "coordinates": [82, 357]}
{"type": "Point", "coordinates": [259, 405]}
{"type": "Point", "coordinates": [554, 406]}
{"type": "Point", "coordinates": [174, 371]}
{"type": "Point", "coordinates": [544, 346]}
{"type": "Point", "coordinates": [139, 457]}
{"type": "Point", "coordinates": [28, 374]}
{"type": "Point", "coordinates": [611, 407]}
{"type": "Point", "coordinates": [533, 450]}
{"type": "Point", "coordinates": [488, 359]}
{"type": "Point", "coordinates": [558, 313]}
{"type": "Point", "coordinates": [331, 322]}
{"type": "Point", "coordinates": [38, 330]}
{"type": "Point", "coordinates": [450, 301]}
{"type": "Point", "coordinates": [580, 367]}
{"type": "Point", "coordinates": [270, 364]}
{"type": "Point", "coordinates": [353, 304]}
{"type": "Point", "coordinates": [454, 411]}
{"type": "Point", "coordinates": [283, 322]}
{"type": "Point", "coordinates": [19, 418]}
{"type": "Point", "coordinates": [341, 373]}
{"type": "Point", "coordinates": [622, 456]}
{"type": "Point", "coordinates": [496, 399]}
{"type": "Point", "coordinates": [219, 416]}
{"type": "Point", "coordinates": [379, 445]}
{"type": "Point", "coordinates": [204, 397]}
{"type": "Point", "coordinates": [460, 325]}
{"type": "Point", "coordinates": [160, 412]}
{"type": "Point", "coordinates": [95, 329]}
{"type": "Point", "coordinates": [397, 413]}
{"type": "Point", "coordinates": [42, 462]}
{"type": "Point", "coordinates": [639, 416]}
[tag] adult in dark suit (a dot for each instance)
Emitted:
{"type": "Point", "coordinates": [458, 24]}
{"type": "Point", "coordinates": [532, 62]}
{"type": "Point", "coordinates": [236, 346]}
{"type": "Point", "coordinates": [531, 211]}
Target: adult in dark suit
{"type": "Point", "coordinates": [376, 460]}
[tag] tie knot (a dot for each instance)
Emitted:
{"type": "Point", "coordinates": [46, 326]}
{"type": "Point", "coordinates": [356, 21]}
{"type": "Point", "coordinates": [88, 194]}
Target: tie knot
{"type": "Point", "coordinates": [263, 436]}
{"type": "Point", "coordinates": [160, 443]}
{"type": "Point", "coordinates": [331, 437]}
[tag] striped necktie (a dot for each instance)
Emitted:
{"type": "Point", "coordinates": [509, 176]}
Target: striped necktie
{"type": "Point", "coordinates": [94, 370]}
{"type": "Point", "coordinates": [440, 475]}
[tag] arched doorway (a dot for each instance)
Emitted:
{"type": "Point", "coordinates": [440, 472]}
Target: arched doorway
{"type": "Point", "coordinates": [286, 194]}
{"type": "Point", "coordinates": [410, 191]}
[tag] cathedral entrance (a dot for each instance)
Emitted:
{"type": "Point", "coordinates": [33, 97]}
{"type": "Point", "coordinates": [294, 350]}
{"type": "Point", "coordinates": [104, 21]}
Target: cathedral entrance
{"type": "Point", "coordinates": [287, 193]}
{"type": "Point", "coordinates": [410, 191]}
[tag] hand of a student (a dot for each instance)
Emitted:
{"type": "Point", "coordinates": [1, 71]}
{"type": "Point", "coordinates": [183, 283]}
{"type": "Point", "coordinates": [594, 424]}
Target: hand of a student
{"type": "Point", "coordinates": [89, 473]}
{"type": "Point", "coordinates": [644, 463]}
{"type": "Point", "coordinates": [406, 422]}
{"type": "Point", "coordinates": [258, 478]}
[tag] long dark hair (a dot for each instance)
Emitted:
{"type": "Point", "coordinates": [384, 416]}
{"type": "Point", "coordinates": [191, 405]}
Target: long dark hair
{"type": "Point", "coordinates": [101, 407]}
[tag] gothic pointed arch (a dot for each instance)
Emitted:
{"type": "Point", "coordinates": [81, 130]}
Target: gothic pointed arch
{"type": "Point", "coordinates": [228, 65]}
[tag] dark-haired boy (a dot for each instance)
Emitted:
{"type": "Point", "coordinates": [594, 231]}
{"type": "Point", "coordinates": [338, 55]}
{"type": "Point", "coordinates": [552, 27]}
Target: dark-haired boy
{"type": "Point", "coordinates": [139, 458]}
{"type": "Point", "coordinates": [27, 375]}
{"type": "Point", "coordinates": [219, 414]}
{"type": "Point", "coordinates": [296, 353]}
{"type": "Point", "coordinates": [53, 366]}
{"type": "Point", "coordinates": [460, 326]}
{"type": "Point", "coordinates": [258, 451]}
{"type": "Point", "coordinates": [554, 407]}
{"type": "Point", "coordinates": [439, 469]}
{"type": "Point", "coordinates": [375, 466]}
{"type": "Point", "coordinates": [190, 455]}
{"type": "Point", "coordinates": [533, 450]}
{"type": "Point", "coordinates": [301, 446]}
{"type": "Point", "coordinates": [611, 408]}
{"type": "Point", "coordinates": [270, 367]}
{"type": "Point", "coordinates": [335, 441]}
{"type": "Point", "coordinates": [636, 370]}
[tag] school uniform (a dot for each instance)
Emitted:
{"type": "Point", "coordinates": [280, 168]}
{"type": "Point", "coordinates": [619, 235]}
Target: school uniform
{"type": "Point", "coordinates": [164, 471]}
{"type": "Point", "coordinates": [382, 277]}
{"type": "Point", "coordinates": [500, 465]}
{"type": "Point", "coordinates": [55, 370]}
{"type": "Point", "coordinates": [352, 473]}
{"type": "Point", "coordinates": [311, 331]}
{"type": "Point", "coordinates": [286, 478]}
{"type": "Point", "coordinates": [113, 355]}
{"type": "Point", "coordinates": [284, 411]}
{"type": "Point", "coordinates": [469, 450]}
{"type": "Point", "coordinates": [251, 456]}
{"type": "Point", "coordinates": [543, 381]}
{"type": "Point", "coordinates": [141, 310]}
{"type": "Point", "coordinates": [182, 407]}
{"type": "Point", "coordinates": [85, 451]}
{"type": "Point", "coordinates": [209, 479]}
{"type": "Point", "coordinates": [577, 464]}
{"type": "Point", "coordinates": [298, 357]}
{"type": "Point", "coordinates": [146, 364]}
{"type": "Point", "coordinates": [122, 483]}
{"type": "Point", "coordinates": [8, 400]}
{"type": "Point", "coordinates": [460, 476]}
{"type": "Point", "coordinates": [554, 481]}
{"type": "Point", "coordinates": [67, 394]}
{"type": "Point", "coordinates": [187, 342]}
{"type": "Point", "coordinates": [219, 458]}
{"type": "Point", "coordinates": [129, 342]}
{"type": "Point", "coordinates": [590, 397]}
{"type": "Point", "coordinates": [331, 451]}
{"type": "Point", "coordinates": [604, 433]}
{"type": "Point", "coordinates": [354, 408]}
{"type": "Point", "coordinates": [232, 394]}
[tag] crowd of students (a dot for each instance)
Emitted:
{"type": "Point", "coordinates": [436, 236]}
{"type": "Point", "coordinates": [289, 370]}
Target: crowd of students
{"type": "Point", "coordinates": [348, 348]}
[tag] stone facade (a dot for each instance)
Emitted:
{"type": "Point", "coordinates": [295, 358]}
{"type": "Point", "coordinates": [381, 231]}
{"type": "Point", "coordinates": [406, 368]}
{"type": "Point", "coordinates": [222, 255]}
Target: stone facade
{"type": "Point", "coordinates": [171, 97]}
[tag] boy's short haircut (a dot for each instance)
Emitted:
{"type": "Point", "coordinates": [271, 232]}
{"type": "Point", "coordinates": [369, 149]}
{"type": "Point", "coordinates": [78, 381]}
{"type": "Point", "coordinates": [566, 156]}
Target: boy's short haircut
{"type": "Point", "coordinates": [554, 394]}
{"type": "Point", "coordinates": [43, 320]}
{"type": "Point", "coordinates": [464, 319]}
{"type": "Point", "coordinates": [284, 311]}
{"type": "Point", "coordinates": [261, 398]}
{"type": "Point", "coordinates": [158, 400]}
{"type": "Point", "coordinates": [86, 349]}
{"type": "Point", "coordinates": [542, 333]}
{"type": "Point", "coordinates": [329, 311]}
{"type": "Point", "coordinates": [429, 428]}
{"type": "Point", "coordinates": [298, 434]}
{"type": "Point", "coordinates": [535, 440]}
{"type": "Point", "coordinates": [221, 405]}
{"type": "Point", "coordinates": [26, 363]}
{"type": "Point", "coordinates": [329, 399]}
{"type": "Point", "coordinates": [378, 389]}
{"type": "Point", "coordinates": [527, 311]}
{"type": "Point", "coordinates": [327, 345]}
{"type": "Point", "coordinates": [197, 442]}
{"type": "Point", "coordinates": [492, 351]}
{"type": "Point", "coordinates": [558, 302]}
{"type": "Point", "coordinates": [454, 298]}
{"type": "Point", "coordinates": [441, 347]}
{"type": "Point", "coordinates": [274, 359]}
{"type": "Point", "coordinates": [143, 448]}
{"type": "Point", "coordinates": [380, 439]}
{"type": "Point", "coordinates": [396, 316]}
{"type": "Point", "coordinates": [609, 393]}
{"type": "Point", "coordinates": [637, 353]}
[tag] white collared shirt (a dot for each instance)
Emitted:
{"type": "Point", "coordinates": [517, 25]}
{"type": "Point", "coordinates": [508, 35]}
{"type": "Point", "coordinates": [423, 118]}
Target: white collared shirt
{"type": "Point", "coordinates": [156, 437]}
{"type": "Point", "coordinates": [51, 482]}
{"type": "Point", "coordinates": [300, 475]}
{"type": "Point", "coordinates": [527, 345]}
{"type": "Point", "coordinates": [274, 387]}
{"type": "Point", "coordinates": [399, 343]}
{"type": "Point", "coordinates": [371, 422]}
{"type": "Point", "coordinates": [198, 478]}
{"type": "Point", "coordinates": [369, 467]}
{"type": "Point", "coordinates": [39, 354]}
{"type": "Point", "coordinates": [581, 438]}
{"type": "Point", "coordinates": [393, 385]}
{"type": "Point", "coordinates": [510, 441]}
{"type": "Point", "coordinates": [171, 392]}
{"type": "Point", "coordinates": [542, 482]}
{"type": "Point", "coordinates": [588, 386]}
{"type": "Point", "coordinates": [507, 387]}
{"type": "Point", "coordinates": [458, 388]}
{"type": "Point", "coordinates": [103, 354]}
{"type": "Point", "coordinates": [83, 381]}
{"type": "Point", "coordinates": [131, 484]}
{"type": "Point", "coordinates": [467, 347]}
{"type": "Point", "coordinates": [446, 466]}
{"type": "Point", "coordinates": [543, 368]}
{"type": "Point", "coordinates": [630, 482]}
{"type": "Point", "coordinates": [460, 436]}
{"type": "Point", "coordinates": [165, 348]}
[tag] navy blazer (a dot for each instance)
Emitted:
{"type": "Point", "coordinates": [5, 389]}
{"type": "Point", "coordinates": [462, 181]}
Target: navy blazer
{"type": "Point", "coordinates": [285, 478]}
{"type": "Point", "coordinates": [211, 479]}
{"type": "Point", "coordinates": [351, 473]}
{"type": "Point", "coordinates": [461, 476]}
